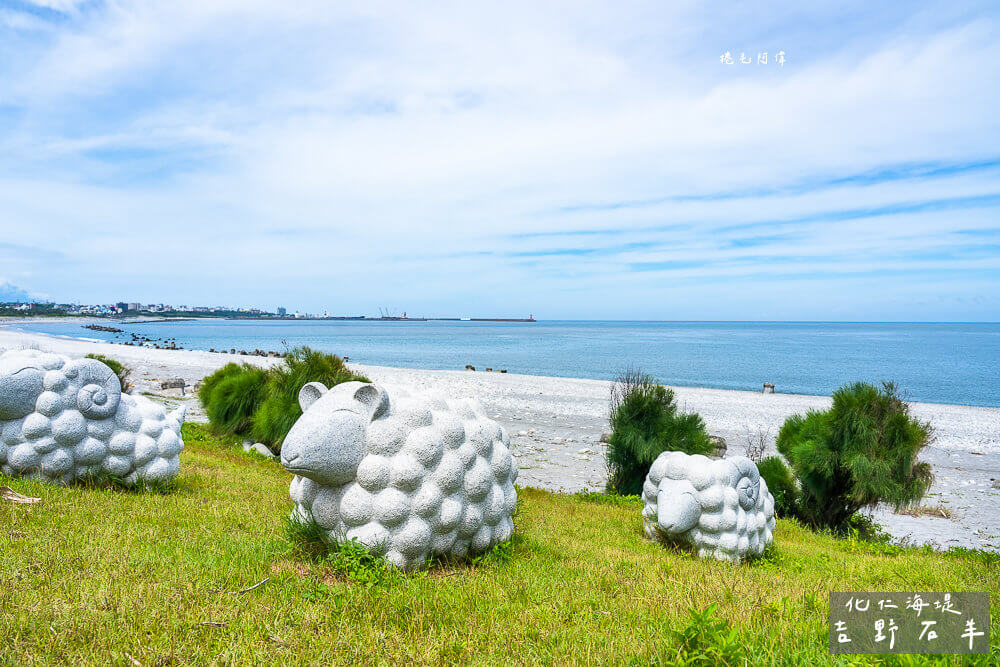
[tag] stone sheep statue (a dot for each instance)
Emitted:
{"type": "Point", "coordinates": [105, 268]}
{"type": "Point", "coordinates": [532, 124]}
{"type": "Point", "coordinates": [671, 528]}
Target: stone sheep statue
{"type": "Point", "coordinates": [63, 420]}
{"type": "Point", "coordinates": [406, 476]}
{"type": "Point", "coordinates": [720, 508]}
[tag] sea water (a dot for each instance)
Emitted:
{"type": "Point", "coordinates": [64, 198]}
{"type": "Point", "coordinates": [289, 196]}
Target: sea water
{"type": "Point", "coordinates": [942, 363]}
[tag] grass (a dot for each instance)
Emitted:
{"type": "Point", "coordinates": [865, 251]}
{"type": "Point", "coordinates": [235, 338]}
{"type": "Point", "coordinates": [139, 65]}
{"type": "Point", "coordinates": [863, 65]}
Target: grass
{"type": "Point", "coordinates": [161, 576]}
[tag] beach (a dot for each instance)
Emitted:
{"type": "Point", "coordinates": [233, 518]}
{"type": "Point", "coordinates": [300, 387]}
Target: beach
{"type": "Point", "coordinates": [556, 424]}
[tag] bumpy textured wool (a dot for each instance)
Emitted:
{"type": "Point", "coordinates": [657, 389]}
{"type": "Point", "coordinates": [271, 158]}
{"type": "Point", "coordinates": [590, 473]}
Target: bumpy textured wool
{"type": "Point", "coordinates": [720, 508]}
{"type": "Point", "coordinates": [64, 419]}
{"type": "Point", "coordinates": [407, 476]}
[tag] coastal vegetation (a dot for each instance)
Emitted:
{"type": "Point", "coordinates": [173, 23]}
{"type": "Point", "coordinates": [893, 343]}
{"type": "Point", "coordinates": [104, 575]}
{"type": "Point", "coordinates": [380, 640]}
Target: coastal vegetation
{"type": "Point", "coordinates": [782, 485]}
{"type": "Point", "coordinates": [37, 310]}
{"type": "Point", "coordinates": [123, 371]}
{"type": "Point", "coordinates": [204, 571]}
{"type": "Point", "coordinates": [259, 403]}
{"type": "Point", "coordinates": [231, 396]}
{"type": "Point", "coordinates": [645, 422]}
{"type": "Point", "coordinates": [861, 452]}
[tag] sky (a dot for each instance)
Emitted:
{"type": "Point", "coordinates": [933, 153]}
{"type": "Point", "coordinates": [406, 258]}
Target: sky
{"type": "Point", "coordinates": [571, 160]}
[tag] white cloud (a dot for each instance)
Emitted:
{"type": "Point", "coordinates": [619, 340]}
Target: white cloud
{"type": "Point", "coordinates": [58, 5]}
{"type": "Point", "coordinates": [320, 142]}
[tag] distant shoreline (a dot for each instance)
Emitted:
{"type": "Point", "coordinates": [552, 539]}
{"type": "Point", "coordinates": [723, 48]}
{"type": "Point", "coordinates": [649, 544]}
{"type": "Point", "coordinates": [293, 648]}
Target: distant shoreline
{"type": "Point", "coordinates": [240, 357]}
{"type": "Point", "coordinates": [223, 339]}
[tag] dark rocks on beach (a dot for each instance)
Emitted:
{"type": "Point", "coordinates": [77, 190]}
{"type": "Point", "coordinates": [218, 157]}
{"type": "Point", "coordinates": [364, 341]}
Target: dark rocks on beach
{"type": "Point", "coordinates": [98, 327]}
{"type": "Point", "coordinates": [996, 484]}
{"type": "Point", "coordinates": [720, 446]}
{"type": "Point", "coordinates": [768, 388]}
{"type": "Point", "coordinates": [173, 383]}
{"type": "Point", "coordinates": [605, 437]}
{"type": "Point", "coordinates": [470, 367]}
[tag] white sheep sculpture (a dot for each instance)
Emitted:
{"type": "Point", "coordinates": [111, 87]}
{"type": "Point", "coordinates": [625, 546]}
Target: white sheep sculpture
{"type": "Point", "coordinates": [406, 476]}
{"type": "Point", "coordinates": [65, 419]}
{"type": "Point", "coordinates": [720, 508]}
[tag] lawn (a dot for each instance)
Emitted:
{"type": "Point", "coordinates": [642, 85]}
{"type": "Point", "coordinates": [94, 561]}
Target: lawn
{"type": "Point", "coordinates": [105, 576]}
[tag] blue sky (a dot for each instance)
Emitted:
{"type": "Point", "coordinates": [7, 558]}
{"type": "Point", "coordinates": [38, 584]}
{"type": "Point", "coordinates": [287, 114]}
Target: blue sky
{"type": "Point", "coordinates": [567, 159]}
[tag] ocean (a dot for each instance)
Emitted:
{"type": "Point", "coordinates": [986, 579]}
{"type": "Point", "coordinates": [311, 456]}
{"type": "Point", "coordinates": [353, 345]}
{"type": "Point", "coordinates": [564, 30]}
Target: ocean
{"type": "Point", "coordinates": [938, 363]}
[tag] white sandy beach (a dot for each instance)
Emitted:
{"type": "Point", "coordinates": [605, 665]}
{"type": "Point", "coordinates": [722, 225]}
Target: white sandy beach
{"type": "Point", "coordinates": [556, 423]}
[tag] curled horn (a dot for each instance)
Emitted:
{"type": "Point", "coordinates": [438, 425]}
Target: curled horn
{"type": "Point", "coordinates": [748, 484]}
{"type": "Point", "coordinates": [101, 392]}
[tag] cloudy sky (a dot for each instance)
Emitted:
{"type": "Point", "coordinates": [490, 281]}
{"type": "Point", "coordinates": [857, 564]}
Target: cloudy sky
{"type": "Point", "coordinates": [567, 159]}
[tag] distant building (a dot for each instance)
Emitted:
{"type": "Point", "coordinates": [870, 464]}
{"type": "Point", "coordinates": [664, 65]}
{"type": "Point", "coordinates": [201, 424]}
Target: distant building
{"type": "Point", "coordinates": [134, 306]}
{"type": "Point", "coordinates": [281, 311]}
{"type": "Point", "coordinates": [121, 305]}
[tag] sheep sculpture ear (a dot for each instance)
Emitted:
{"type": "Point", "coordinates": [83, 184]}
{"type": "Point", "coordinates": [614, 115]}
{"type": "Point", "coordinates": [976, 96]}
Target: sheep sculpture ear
{"type": "Point", "coordinates": [310, 393]}
{"type": "Point", "coordinates": [376, 400]}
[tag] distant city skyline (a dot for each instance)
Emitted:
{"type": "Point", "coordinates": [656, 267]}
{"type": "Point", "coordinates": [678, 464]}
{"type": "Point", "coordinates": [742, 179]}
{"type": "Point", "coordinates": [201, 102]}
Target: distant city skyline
{"type": "Point", "coordinates": [596, 161]}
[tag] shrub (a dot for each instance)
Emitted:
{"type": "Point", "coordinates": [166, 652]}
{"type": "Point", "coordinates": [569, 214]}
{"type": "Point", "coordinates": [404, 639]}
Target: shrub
{"type": "Point", "coordinates": [242, 399]}
{"type": "Point", "coordinates": [231, 396]}
{"type": "Point", "coordinates": [782, 485]}
{"type": "Point", "coordinates": [279, 408]}
{"type": "Point", "coordinates": [645, 422]}
{"type": "Point", "coordinates": [121, 370]}
{"type": "Point", "coordinates": [861, 452]}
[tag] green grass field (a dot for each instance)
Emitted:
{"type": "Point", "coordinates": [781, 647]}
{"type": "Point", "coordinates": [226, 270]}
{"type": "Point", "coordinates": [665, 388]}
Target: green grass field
{"type": "Point", "coordinates": [105, 576]}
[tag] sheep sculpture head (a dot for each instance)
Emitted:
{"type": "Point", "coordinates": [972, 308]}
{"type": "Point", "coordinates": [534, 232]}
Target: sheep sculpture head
{"type": "Point", "coordinates": [720, 508]}
{"type": "Point", "coordinates": [64, 419]}
{"type": "Point", "coordinates": [407, 476]}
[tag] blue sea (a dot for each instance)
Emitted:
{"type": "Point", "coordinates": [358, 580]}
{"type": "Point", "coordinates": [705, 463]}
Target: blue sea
{"type": "Point", "coordinates": [940, 363]}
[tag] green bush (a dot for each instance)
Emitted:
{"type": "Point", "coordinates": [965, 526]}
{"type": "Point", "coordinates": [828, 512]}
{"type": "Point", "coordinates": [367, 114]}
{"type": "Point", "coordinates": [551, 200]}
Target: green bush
{"type": "Point", "coordinates": [121, 370]}
{"type": "Point", "coordinates": [861, 452]}
{"type": "Point", "coordinates": [242, 399]}
{"type": "Point", "coordinates": [279, 408]}
{"type": "Point", "coordinates": [782, 485]}
{"type": "Point", "coordinates": [645, 422]}
{"type": "Point", "coordinates": [231, 396]}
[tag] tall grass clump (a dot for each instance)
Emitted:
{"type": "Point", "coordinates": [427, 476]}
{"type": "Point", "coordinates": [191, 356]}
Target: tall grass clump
{"type": "Point", "coordinates": [861, 452]}
{"type": "Point", "coordinates": [121, 370]}
{"type": "Point", "coordinates": [279, 408]}
{"type": "Point", "coordinates": [782, 485]}
{"type": "Point", "coordinates": [242, 399]}
{"type": "Point", "coordinates": [645, 422]}
{"type": "Point", "coordinates": [231, 396]}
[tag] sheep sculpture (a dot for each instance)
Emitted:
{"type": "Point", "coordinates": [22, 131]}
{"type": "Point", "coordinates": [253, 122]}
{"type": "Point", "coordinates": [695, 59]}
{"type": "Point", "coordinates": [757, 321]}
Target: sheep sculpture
{"type": "Point", "coordinates": [406, 476]}
{"type": "Point", "coordinates": [65, 419]}
{"type": "Point", "coordinates": [720, 508]}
